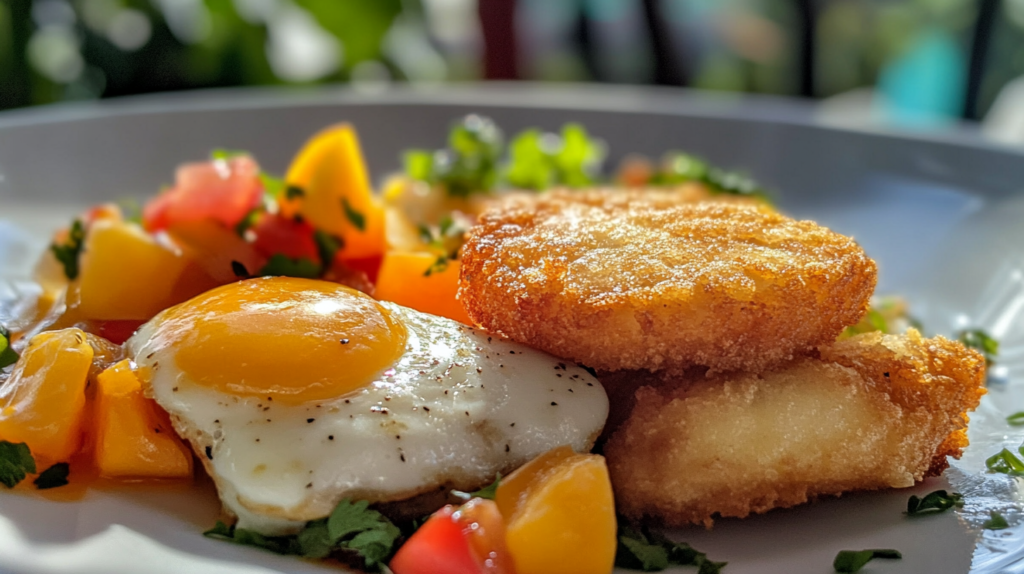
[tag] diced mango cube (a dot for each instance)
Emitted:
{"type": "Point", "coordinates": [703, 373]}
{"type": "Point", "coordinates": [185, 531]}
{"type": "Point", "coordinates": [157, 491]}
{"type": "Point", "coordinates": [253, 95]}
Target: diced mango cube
{"type": "Point", "coordinates": [133, 436]}
{"type": "Point", "coordinates": [336, 194]}
{"type": "Point", "coordinates": [126, 274]}
{"type": "Point", "coordinates": [43, 403]}
{"type": "Point", "coordinates": [404, 279]}
{"type": "Point", "coordinates": [560, 514]}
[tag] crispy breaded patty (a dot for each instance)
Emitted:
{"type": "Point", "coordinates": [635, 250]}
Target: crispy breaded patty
{"type": "Point", "coordinates": [634, 281]}
{"type": "Point", "coordinates": [874, 411]}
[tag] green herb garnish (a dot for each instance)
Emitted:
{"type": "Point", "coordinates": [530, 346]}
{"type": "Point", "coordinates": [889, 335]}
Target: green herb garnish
{"type": "Point", "coordinates": [273, 187]}
{"type": "Point", "coordinates": [995, 521]}
{"type": "Point", "coordinates": [538, 161]}
{"type": "Point", "coordinates": [1016, 419]}
{"type": "Point", "coordinates": [1005, 462]}
{"type": "Point", "coordinates": [293, 192]}
{"type": "Point", "coordinates": [280, 264]}
{"type": "Point", "coordinates": [933, 503]}
{"type": "Point", "coordinates": [469, 165]}
{"type": "Point", "coordinates": [248, 221]}
{"type": "Point", "coordinates": [352, 530]}
{"type": "Point", "coordinates": [854, 560]}
{"type": "Point", "coordinates": [651, 552]}
{"type": "Point", "coordinates": [357, 219]}
{"type": "Point", "coordinates": [15, 462]}
{"type": "Point", "coordinates": [678, 167]}
{"type": "Point", "coordinates": [56, 475]}
{"type": "Point", "coordinates": [327, 246]}
{"type": "Point", "coordinates": [67, 253]}
{"type": "Point", "coordinates": [7, 354]}
{"type": "Point", "coordinates": [220, 154]}
{"type": "Point", "coordinates": [982, 341]}
{"type": "Point", "coordinates": [440, 265]}
{"type": "Point", "coordinates": [488, 492]}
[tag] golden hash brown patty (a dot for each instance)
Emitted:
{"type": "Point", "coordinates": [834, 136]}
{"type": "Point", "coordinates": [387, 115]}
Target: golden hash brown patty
{"type": "Point", "coordinates": [874, 411]}
{"type": "Point", "coordinates": [634, 281]}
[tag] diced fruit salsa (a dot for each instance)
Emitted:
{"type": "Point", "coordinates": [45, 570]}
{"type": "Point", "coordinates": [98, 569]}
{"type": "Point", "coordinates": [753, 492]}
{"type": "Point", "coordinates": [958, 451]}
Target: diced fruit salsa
{"type": "Point", "coordinates": [70, 395]}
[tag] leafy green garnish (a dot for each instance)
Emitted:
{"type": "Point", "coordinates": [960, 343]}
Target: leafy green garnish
{"type": "Point", "coordinates": [280, 264]}
{"type": "Point", "coordinates": [67, 253]}
{"type": "Point", "coordinates": [469, 165]}
{"type": "Point", "coordinates": [539, 161]}
{"type": "Point", "coordinates": [440, 265]}
{"type": "Point", "coordinates": [7, 354]}
{"type": "Point", "coordinates": [652, 552]}
{"type": "Point", "coordinates": [220, 154]}
{"type": "Point", "coordinates": [1016, 419]}
{"type": "Point", "coordinates": [273, 187]}
{"type": "Point", "coordinates": [933, 503]}
{"type": "Point", "coordinates": [678, 167]}
{"type": "Point", "coordinates": [982, 341]}
{"type": "Point", "coordinates": [357, 219]}
{"type": "Point", "coordinates": [488, 492]}
{"type": "Point", "coordinates": [56, 475]}
{"type": "Point", "coordinates": [1005, 462]}
{"type": "Point", "coordinates": [15, 462]}
{"type": "Point", "coordinates": [248, 221]}
{"type": "Point", "coordinates": [854, 560]}
{"type": "Point", "coordinates": [352, 529]}
{"type": "Point", "coordinates": [293, 192]}
{"type": "Point", "coordinates": [995, 521]}
{"type": "Point", "coordinates": [327, 246]}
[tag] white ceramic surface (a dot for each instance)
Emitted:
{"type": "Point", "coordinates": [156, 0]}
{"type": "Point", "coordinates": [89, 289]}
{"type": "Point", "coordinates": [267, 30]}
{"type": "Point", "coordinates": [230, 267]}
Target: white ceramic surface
{"type": "Point", "coordinates": [941, 217]}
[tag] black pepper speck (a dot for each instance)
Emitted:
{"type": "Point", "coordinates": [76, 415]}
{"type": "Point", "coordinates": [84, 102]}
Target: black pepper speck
{"type": "Point", "coordinates": [209, 452]}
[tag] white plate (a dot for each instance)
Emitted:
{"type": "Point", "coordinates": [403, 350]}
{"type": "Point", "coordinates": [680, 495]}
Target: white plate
{"type": "Point", "coordinates": [941, 218]}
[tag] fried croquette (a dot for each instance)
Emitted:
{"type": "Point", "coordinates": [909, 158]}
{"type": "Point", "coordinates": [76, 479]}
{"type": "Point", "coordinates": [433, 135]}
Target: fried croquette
{"type": "Point", "coordinates": [873, 411]}
{"type": "Point", "coordinates": [639, 281]}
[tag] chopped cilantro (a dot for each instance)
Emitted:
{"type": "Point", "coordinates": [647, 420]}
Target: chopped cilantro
{"type": "Point", "coordinates": [15, 462]}
{"type": "Point", "coordinates": [1016, 419]}
{"type": "Point", "coordinates": [327, 246]}
{"type": "Point", "coordinates": [488, 492]}
{"type": "Point", "coordinates": [67, 253]}
{"type": "Point", "coordinates": [226, 154]}
{"type": "Point", "coordinates": [56, 475]}
{"type": "Point", "coordinates": [651, 552]}
{"type": "Point", "coordinates": [357, 219]}
{"type": "Point", "coordinates": [995, 521]}
{"type": "Point", "coordinates": [238, 268]}
{"type": "Point", "coordinates": [352, 530]}
{"type": "Point", "coordinates": [854, 560]}
{"type": "Point", "coordinates": [1005, 462]}
{"type": "Point", "coordinates": [440, 265]}
{"type": "Point", "coordinates": [273, 187]}
{"type": "Point", "coordinates": [282, 265]}
{"type": "Point", "coordinates": [248, 221]}
{"type": "Point", "coordinates": [933, 503]}
{"type": "Point", "coordinates": [982, 341]}
{"type": "Point", "coordinates": [678, 167]}
{"type": "Point", "coordinates": [538, 160]}
{"type": "Point", "coordinates": [468, 166]}
{"type": "Point", "coordinates": [7, 354]}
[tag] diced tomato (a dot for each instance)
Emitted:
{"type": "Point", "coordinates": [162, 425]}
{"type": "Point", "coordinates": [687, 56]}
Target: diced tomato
{"type": "Point", "coordinates": [368, 265]}
{"type": "Point", "coordinates": [278, 234]}
{"type": "Point", "coordinates": [118, 332]}
{"type": "Point", "coordinates": [465, 540]}
{"type": "Point", "coordinates": [221, 190]}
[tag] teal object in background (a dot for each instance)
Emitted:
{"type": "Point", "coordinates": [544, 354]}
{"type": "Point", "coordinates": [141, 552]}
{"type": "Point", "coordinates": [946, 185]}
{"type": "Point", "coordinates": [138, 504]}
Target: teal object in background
{"type": "Point", "coordinates": [924, 85]}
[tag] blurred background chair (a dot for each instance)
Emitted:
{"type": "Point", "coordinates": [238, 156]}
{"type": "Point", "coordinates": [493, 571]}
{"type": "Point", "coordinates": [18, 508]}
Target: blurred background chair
{"type": "Point", "coordinates": [909, 63]}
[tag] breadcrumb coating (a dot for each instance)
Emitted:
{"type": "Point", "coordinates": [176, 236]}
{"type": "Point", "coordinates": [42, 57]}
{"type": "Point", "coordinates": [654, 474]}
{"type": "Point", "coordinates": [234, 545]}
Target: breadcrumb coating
{"type": "Point", "coordinates": [873, 411]}
{"type": "Point", "coordinates": [657, 281]}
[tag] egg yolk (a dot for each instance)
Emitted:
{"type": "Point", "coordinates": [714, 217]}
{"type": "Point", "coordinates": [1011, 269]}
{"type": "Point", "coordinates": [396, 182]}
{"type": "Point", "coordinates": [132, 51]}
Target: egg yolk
{"type": "Point", "coordinates": [281, 338]}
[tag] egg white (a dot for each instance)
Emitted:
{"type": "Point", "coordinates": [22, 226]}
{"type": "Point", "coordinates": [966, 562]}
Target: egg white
{"type": "Point", "coordinates": [459, 406]}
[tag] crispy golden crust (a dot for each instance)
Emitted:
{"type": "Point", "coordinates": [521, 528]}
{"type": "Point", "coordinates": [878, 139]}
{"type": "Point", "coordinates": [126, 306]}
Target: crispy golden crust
{"type": "Point", "coordinates": [633, 280]}
{"type": "Point", "coordinates": [874, 411]}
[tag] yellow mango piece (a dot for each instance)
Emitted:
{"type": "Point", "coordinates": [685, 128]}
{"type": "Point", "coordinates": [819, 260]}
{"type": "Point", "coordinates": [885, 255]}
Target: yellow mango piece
{"type": "Point", "coordinates": [43, 404]}
{"type": "Point", "coordinates": [133, 436]}
{"type": "Point", "coordinates": [126, 274]}
{"type": "Point", "coordinates": [402, 279]}
{"type": "Point", "coordinates": [560, 514]}
{"type": "Point", "coordinates": [337, 197]}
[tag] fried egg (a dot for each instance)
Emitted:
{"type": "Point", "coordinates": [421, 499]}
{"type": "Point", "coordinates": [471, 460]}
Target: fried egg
{"type": "Point", "coordinates": [296, 394]}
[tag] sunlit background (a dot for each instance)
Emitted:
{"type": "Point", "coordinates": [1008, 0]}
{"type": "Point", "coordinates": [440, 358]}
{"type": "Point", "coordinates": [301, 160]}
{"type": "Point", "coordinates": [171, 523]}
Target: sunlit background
{"type": "Point", "coordinates": [906, 62]}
